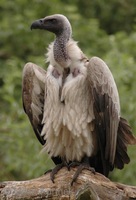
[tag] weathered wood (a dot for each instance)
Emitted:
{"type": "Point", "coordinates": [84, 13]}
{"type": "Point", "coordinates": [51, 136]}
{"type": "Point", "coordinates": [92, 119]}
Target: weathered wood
{"type": "Point", "coordinates": [88, 186]}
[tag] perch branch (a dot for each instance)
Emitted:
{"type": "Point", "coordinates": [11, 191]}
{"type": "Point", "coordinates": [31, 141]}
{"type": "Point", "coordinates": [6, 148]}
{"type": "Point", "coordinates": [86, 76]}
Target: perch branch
{"type": "Point", "coordinates": [88, 186]}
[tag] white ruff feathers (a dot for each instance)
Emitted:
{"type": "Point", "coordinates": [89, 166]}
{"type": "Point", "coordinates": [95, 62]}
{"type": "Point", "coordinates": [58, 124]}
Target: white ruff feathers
{"type": "Point", "coordinates": [67, 126]}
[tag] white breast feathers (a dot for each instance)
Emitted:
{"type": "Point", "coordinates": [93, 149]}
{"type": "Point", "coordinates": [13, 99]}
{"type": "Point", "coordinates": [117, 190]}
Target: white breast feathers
{"type": "Point", "coordinates": [67, 118]}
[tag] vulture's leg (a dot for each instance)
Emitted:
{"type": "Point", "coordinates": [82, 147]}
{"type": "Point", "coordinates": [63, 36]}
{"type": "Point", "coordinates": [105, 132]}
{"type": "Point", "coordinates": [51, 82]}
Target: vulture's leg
{"type": "Point", "coordinates": [83, 165]}
{"type": "Point", "coordinates": [56, 169]}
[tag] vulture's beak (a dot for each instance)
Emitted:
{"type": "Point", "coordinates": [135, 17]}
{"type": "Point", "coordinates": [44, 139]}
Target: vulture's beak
{"type": "Point", "coordinates": [38, 24]}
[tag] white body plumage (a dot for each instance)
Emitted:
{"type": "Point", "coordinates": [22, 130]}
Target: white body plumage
{"type": "Point", "coordinates": [67, 126]}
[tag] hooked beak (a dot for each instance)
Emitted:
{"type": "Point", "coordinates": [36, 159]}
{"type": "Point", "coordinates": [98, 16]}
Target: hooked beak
{"type": "Point", "coordinates": [38, 24]}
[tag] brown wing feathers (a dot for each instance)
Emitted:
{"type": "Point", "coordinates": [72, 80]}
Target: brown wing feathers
{"type": "Point", "coordinates": [112, 131]}
{"type": "Point", "coordinates": [105, 126]}
{"type": "Point", "coordinates": [103, 129]}
{"type": "Point", "coordinates": [33, 96]}
{"type": "Point", "coordinates": [124, 138]}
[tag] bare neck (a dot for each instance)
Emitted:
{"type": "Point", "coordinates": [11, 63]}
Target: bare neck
{"type": "Point", "coordinates": [60, 47]}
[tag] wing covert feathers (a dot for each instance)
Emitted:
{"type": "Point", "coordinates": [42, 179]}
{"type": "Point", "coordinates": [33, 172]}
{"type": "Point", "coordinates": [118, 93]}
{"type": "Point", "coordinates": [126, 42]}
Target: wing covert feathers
{"type": "Point", "coordinates": [33, 86]}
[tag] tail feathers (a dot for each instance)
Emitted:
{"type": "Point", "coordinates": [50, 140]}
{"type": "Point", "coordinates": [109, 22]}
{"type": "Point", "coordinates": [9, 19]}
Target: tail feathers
{"type": "Point", "coordinates": [124, 139]}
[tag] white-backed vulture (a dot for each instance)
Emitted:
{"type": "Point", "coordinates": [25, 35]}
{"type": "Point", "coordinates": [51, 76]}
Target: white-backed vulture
{"type": "Point", "coordinates": [74, 106]}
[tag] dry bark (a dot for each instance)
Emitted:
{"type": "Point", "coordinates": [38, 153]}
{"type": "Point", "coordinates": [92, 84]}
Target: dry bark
{"type": "Point", "coordinates": [88, 186]}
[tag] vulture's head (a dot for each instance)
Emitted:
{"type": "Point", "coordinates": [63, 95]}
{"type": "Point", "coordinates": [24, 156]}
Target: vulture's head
{"type": "Point", "coordinates": [58, 24]}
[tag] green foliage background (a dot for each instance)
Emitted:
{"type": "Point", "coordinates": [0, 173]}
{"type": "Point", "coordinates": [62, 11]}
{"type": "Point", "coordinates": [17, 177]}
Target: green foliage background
{"type": "Point", "coordinates": [104, 28]}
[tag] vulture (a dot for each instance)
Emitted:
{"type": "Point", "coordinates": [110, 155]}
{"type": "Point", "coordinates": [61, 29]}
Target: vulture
{"type": "Point", "coordinates": [74, 106]}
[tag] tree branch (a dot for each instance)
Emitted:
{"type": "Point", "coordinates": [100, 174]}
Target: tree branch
{"type": "Point", "coordinates": [88, 186]}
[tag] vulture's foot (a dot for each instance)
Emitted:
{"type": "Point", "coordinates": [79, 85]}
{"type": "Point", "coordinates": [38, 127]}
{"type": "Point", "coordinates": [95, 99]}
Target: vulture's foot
{"type": "Point", "coordinates": [55, 170]}
{"type": "Point", "coordinates": [81, 166]}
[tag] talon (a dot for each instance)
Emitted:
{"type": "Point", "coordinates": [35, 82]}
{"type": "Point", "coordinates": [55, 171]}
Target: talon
{"type": "Point", "coordinates": [52, 178]}
{"type": "Point", "coordinates": [55, 170]}
{"type": "Point", "coordinates": [79, 170]}
{"type": "Point", "coordinates": [92, 170]}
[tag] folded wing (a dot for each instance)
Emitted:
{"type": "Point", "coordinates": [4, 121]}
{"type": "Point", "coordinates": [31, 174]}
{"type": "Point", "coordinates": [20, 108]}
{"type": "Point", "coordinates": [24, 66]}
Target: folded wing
{"type": "Point", "coordinates": [106, 109]}
{"type": "Point", "coordinates": [33, 96]}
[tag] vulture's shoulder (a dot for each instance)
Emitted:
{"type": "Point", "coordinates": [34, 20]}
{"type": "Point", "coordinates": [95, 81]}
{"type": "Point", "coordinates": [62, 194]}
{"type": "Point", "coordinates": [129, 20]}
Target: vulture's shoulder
{"type": "Point", "coordinates": [102, 80]}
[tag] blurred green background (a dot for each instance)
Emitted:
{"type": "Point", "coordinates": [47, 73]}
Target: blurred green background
{"type": "Point", "coordinates": [103, 28]}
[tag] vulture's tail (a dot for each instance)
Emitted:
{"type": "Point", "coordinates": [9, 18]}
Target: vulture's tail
{"type": "Point", "coordinates": [124, 138]}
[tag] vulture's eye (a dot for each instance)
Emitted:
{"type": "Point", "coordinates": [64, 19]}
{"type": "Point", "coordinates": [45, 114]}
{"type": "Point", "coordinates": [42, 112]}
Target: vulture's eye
{"type": "Point", "coordinates": [53, 20]}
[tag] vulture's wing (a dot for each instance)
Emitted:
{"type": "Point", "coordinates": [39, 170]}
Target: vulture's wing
{"type": "Point", "coordinates": [33, 87]}
{"type": "Point", "coordinates": [106, 109]}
